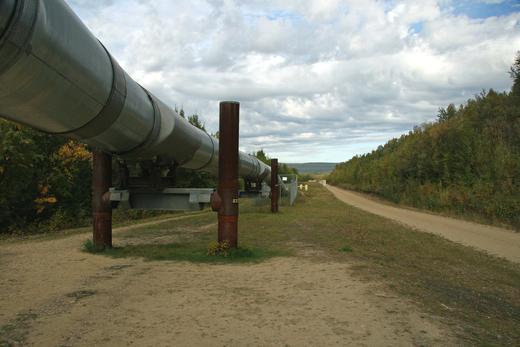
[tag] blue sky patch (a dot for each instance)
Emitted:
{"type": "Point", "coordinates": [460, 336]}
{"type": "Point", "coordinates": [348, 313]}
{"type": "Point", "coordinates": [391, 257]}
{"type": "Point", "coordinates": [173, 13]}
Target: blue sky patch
{"type": "Point", "coordinates": [481, 10]}
{"type": "Point", "coordinates": [417, 27]}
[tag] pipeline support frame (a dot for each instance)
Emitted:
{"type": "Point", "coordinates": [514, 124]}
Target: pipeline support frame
{"type": "Point", "coordinates": [275, 187]}
{"type": "Point", "coordinates": [228, 187]}
{"type": "Point", "coordinates": [101, 204]}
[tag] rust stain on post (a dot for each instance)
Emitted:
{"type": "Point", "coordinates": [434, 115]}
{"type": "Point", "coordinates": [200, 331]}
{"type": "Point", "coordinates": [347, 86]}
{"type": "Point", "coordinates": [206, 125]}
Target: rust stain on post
{"type": "Point", "coordinates": [101, 207]}
{"type": "Point", "coordinates": [275, 188]}
{"type": "Point", "coordinates": [228, 173]}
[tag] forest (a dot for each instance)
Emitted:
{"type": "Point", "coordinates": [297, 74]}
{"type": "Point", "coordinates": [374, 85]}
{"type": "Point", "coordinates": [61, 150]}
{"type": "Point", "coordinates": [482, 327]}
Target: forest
{"type": "Point", "coordinates": [465, 163]}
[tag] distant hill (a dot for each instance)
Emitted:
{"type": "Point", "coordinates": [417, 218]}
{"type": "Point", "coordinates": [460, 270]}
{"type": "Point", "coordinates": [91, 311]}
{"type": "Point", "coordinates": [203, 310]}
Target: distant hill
{"type": "Point", "coordinates": [312, 167]}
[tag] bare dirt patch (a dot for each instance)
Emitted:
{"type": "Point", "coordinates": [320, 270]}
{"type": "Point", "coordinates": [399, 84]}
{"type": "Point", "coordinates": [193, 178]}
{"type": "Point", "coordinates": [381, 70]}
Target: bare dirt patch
{"type": "Point", "coordinates": [51, 293]}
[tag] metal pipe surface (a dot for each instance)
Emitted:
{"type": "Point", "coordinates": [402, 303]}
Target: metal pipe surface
{"type": "Point", "coordinates": [55, 76]}
{"type": "Point", "coordinates": [275, 186]}
{"type": "Point", "coordinates": [228, 173]}
{"type": "Point", "coordinates": [101, 207]}
{"type": "Point", "coordinates": [6, 11]}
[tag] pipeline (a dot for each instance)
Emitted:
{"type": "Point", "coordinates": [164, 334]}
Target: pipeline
{"type": "Point", "coordinates": [56, 76]}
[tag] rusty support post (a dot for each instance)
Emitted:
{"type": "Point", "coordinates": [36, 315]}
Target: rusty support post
{"type": "Point", "coordinates": [228, 173]}
{"type": "Point", "coordinates": [275, 188]}
{"type": "Point", "coordinates": [101, 207]}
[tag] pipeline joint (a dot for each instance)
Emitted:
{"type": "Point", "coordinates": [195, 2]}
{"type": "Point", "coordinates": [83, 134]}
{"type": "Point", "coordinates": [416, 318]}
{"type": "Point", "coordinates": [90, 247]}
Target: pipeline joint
{"type": "Point", "coordinates": [16, 38]}
{"type": "Point", "coordinates": [112, 108]}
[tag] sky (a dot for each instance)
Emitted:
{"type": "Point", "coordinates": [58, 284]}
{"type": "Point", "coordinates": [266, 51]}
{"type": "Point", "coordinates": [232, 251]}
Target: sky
{"type": "Point", "coordinates": [317, 80]}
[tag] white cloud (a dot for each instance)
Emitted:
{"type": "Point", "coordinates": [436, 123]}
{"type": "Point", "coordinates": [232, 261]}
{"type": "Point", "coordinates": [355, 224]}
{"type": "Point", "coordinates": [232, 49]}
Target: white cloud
{"type": "Point", "coordinates": [317, 80]}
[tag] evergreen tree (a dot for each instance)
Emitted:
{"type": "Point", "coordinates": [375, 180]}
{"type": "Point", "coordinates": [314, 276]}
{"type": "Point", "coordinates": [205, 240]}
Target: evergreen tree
{"type": "Point", "coordinates": [262, 157]}
{"type": "Point", "coordinates": [515, 75]}
{"type": "Point", "coordinates": [195, 120]}
{"type": "Point", "coordinates": [447, 113]}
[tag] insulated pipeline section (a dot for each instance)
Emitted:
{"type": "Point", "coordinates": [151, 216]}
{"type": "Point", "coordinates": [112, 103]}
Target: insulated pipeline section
{"type": "Point", "coordinates": [6, 11]}
{"type": "Point", "coordinates": [56, 76]}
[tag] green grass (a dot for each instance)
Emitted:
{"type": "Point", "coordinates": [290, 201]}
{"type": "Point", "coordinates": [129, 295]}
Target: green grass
{"type": "Point", "coordinates": [193, 252]}
{"type": "Point", "coordinates": [88, 246]}
{"type": "Point", "coordinates": [478, 294]}
{"type": "Point", "coordinates": [345, 249]}
{"type": "Point", "coordinates": [182, 240]}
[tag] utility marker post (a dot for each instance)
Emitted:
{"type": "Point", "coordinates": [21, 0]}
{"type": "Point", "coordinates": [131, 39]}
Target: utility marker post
{"type": "Point", "coordinates": [101, 206]}
{"type": "Point", "coordinates": [228, 173]}
{"type": "Point", "coordinates": [275, 188]}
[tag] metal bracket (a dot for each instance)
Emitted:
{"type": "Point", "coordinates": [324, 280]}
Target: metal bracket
{"type": "Point", "coordinates": [167, 199]}
{"type": "Point", "coordinates": [265, 191]}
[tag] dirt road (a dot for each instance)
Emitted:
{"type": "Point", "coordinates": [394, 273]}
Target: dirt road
{"type": "Point", "coordinates": [496, 241]}
{"type": "Point", "coordinates": [53, 294]}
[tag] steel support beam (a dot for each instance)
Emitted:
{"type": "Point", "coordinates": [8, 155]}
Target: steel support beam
{"type": "Point", "coordinates": [275, 188]}
{"type": "Point", "coordinates": [166, 199]}
{"type": "Point", "coordinates": [101, 205]}
{"type": "Point", "coordinates": [228, 173]}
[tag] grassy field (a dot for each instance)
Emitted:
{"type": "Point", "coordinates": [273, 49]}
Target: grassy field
{"type": "Point", "coordinates": [479, 295]}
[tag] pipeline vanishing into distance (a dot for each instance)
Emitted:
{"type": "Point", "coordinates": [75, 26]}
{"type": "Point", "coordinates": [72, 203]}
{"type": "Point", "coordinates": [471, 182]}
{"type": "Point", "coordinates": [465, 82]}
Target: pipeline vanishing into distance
{"type": "Point", "coordinates": [56, 76]}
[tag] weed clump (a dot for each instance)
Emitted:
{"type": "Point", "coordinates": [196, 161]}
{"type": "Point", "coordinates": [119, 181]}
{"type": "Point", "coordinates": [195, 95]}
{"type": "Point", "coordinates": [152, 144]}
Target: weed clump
{"type": "Point", "coordinates": [223, 249]}
{"type": "Point", "coordinates": [89, 247]}
{"type": "Point", "coordinates": [345, 249]}
{"type": "Point", "coordinates": [219, 248]}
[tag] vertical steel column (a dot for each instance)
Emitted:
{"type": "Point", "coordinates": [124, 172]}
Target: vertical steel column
{"type": "Point", "coordinates": [275, 188]}
{"type": "Point", "coordinates": [101, 207]}
{"type": "Point", "coordinates": [228, 173]}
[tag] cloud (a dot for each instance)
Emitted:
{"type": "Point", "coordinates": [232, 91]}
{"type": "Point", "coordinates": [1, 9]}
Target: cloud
{"type": "Point", "coordinates": [317, 80]}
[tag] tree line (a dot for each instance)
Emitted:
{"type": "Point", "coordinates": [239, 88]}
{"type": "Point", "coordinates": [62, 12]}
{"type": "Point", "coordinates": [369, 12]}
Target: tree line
{"type": "Point", "coordinates": [467, 162]}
